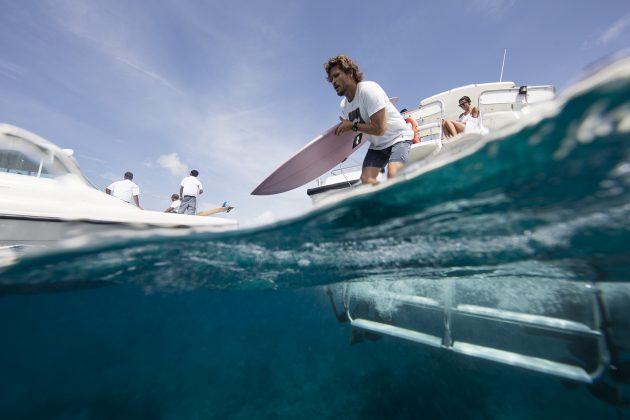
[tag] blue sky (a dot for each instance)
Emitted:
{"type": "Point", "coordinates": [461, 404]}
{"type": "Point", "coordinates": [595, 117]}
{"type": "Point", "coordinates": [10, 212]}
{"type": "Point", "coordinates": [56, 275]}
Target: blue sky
{"type": "Point", "coordinates": [232, 89]}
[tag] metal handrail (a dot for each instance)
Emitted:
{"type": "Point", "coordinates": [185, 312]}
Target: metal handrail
{"type": "Point", "coordinates": [447, 342]}
{"type": "Point", "coordinates": [429, 126]}
{"type": "Point", "coordinates": [340, 171]}
{"type": "Point", "coordinates": [510, 90]}
{"type": "Point", "coordinates": [438, 102]}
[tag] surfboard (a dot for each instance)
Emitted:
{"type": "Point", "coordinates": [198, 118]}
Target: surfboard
{"type": "Point", "coordinates": [215, 211]}
{"type": "Point", "coordinates": [319, 156]}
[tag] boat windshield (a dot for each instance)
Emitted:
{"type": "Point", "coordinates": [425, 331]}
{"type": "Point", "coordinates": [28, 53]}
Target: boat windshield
{"type": "Point", "coordinates": [20, 156]}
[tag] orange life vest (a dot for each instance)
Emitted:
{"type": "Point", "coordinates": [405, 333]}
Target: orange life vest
{"type": "Point", "coordinates": [414, 127]}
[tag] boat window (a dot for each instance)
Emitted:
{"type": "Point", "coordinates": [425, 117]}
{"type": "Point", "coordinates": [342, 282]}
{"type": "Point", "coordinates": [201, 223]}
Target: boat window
{"type": "Point", "coordinates": [23, 157]}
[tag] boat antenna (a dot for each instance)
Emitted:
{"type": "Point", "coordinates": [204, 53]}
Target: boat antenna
{"type": "Point", "coordinates": [502, 64]}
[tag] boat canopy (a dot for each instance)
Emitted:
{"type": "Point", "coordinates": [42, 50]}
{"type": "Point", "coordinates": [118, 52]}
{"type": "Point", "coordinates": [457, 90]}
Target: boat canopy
{"type": "Point", "coordinates": [24, 153]}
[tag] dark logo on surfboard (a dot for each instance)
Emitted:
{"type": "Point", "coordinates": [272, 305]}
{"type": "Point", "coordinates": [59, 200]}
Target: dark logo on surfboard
{"type": "Point", "coordinates": [357, 140]}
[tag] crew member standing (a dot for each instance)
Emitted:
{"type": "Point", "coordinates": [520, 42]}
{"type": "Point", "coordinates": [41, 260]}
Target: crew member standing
{"type": "Point", "coordinates": [189, 190]}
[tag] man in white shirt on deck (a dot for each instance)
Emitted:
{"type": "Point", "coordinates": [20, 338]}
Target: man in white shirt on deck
{"type": "Point", "coordinates": [126, 190]}
{"type": "Point", "coordinates": [189, 190]}
{"type": "Point", "coordinates": [368, 112]}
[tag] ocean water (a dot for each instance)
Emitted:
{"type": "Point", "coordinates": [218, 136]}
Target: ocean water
{"type": "Point", "coordinates": [240, 325]}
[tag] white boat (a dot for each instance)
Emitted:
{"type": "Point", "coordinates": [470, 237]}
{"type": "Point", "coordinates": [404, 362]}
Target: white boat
{"type": "Point", "coordinates": [44, 198]}
{"type": "Point", "coordinates": [500, 104]}
{"type": "Point", "coordinates": [576, 331]}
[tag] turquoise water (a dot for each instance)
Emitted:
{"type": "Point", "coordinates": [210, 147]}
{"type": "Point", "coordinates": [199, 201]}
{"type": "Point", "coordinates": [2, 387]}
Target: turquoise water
{"type": "Point", "coordinates": [237, 325]}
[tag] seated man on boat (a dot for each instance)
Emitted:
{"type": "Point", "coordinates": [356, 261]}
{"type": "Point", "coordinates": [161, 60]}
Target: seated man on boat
{"type": "Point", "coordinates": [125, 190]}
{"type": "Point", "coordinates": [367, 110]}
{"type": "Point", "coordinates": [470, 116]}
{"type": "Point", "coordinates": [175, 203]}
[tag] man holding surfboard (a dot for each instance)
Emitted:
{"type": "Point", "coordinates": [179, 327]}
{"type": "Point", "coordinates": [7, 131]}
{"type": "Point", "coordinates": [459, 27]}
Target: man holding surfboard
{"type": "Point", "coordinates": [366, 109]}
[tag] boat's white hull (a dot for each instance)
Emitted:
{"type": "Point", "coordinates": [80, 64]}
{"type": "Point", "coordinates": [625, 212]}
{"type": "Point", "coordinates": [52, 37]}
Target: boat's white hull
{"type": "Point", "coordinates": [47, 231]}
{"type": "Point", "coordinates": [34, 231]}
{"type": "Point", "coordinates": [44, 199]}
{"type": "Point", "coordinates": [348, 181]}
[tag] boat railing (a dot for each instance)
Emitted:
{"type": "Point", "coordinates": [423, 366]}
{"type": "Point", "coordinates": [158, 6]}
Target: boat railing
{"type": "Point", "coordinates": [499, 106]}
{"type": "Point", "coordinates": [429, 127]}
{"type": "Point", "coordinates": [345, 169]}
{"type": "Point", "coordinates": [342, 171]}
{"type": "Point", "coordinates": [429, 118]}
{"type": "Point", "coordinates": [456, 334]}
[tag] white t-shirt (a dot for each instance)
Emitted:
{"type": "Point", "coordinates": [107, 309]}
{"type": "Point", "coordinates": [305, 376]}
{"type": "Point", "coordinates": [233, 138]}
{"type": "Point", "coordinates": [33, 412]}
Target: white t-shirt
{"type": "Point", "coordinates": [125, 190]}
{"type": "Point", "coordinates": [369, 99]}
{"type": "Point", "coordinates": [465, 118]}
{"type": "Point", "coordinates": [191, 185]}
{"type": "Point", "coordinates": [474, 125]}
{"type": "Point", "coordinates": [175, 204]}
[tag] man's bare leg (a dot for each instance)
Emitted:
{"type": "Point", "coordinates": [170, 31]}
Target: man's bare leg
{"type": "Point", "coordinates": [369, 175]}
{"type": "Point", "coordinates": [392, 169]}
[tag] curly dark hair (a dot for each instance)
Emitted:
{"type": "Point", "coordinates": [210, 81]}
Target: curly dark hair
{"type": "Point", "coordinates": [346, 65]}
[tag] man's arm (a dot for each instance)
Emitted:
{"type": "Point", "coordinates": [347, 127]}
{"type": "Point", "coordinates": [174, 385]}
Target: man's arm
{"type": "Point", "coordinates": [377, 125]}
{"type": "Point", "coordinates": [137, 201]}
{"type": "Point", "coordinates": [181, 191]}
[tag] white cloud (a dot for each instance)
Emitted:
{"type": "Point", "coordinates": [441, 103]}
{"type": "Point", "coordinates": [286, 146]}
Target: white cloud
{"type": "Point", "coordinates": [262, 219]}
{"type": "Point", "coordinates": [10, 69]}
{"type": "Point", "coordinates": [601, 39]}
{"type": "Point", "coordinates": [110, 176]}
{"type": "Point", "coordinates": [148, 73]}
{"type": "Point", "coordinates": [172, 163]}
{"type": "Point", "coordinates": [106, 31]}
{"type": "Point", "coordinates": [93, 159]}
{"type": "Point", "coordinates": [494, 8]}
